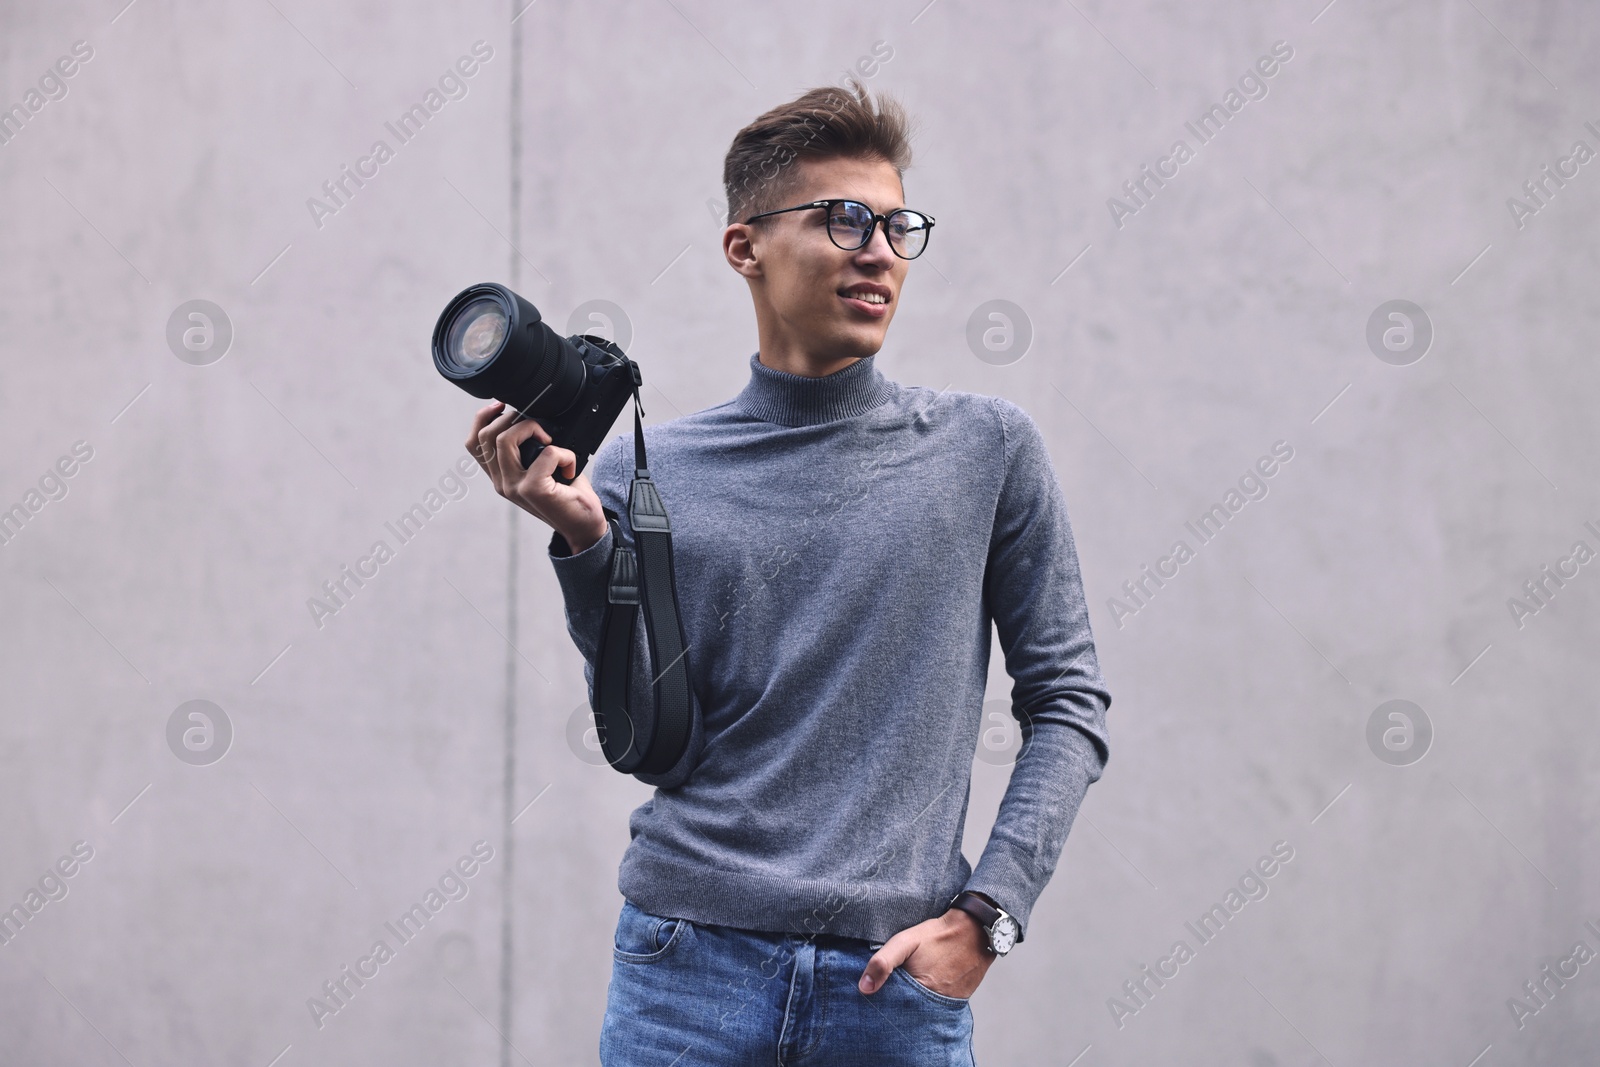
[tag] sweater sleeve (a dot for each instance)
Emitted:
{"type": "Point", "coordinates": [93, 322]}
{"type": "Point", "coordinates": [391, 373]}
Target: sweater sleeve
{"type": "Point", "coordinates": [1034, 592]}
{"type": "Point", "coordinates": [583, 577]}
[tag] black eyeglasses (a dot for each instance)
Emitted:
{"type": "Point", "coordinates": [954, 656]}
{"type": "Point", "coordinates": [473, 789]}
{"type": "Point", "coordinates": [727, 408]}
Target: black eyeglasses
{"type": "Point", "coordinates": [850, 225]}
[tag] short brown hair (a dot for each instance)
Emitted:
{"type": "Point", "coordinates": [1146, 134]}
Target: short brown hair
{"type": "Point", "coordinates": [819, 124]}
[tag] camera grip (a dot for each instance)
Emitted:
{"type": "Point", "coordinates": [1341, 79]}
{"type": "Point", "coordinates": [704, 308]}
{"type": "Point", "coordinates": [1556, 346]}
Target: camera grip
{"type": "Point", "coordinates": [529, 451]}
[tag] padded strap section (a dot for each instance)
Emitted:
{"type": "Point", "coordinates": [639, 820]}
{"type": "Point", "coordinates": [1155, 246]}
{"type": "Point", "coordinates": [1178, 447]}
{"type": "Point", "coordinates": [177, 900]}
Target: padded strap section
{"type": "Point", "coordinates": [651, 742]}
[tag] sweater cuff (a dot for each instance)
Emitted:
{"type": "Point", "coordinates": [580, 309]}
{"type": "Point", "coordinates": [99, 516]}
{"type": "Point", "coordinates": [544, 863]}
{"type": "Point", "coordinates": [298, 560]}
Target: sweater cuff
{"type": "Point", "coordinates": [1013, 878]}
{"type": "Point", "coordinates": [581, 573]}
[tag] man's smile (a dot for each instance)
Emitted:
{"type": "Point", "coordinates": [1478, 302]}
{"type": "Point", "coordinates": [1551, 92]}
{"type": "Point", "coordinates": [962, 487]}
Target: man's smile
{"type": "Point", "coordinates": [868, 297]}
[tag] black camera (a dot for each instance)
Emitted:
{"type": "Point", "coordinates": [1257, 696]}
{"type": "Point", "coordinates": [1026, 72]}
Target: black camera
{"type": "Point", "coordinates": [493, 344]}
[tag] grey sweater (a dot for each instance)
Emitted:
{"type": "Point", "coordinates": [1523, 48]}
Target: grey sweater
{"type": "Point", "coordinates": [841, 545]}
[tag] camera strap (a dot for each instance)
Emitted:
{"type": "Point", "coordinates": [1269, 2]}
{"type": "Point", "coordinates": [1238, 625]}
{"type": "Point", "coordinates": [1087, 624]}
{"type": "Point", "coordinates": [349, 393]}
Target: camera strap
{"type": "Point", "coordinates": [642, 581]}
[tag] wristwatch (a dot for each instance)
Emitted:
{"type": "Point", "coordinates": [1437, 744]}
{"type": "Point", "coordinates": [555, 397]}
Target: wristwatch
{"type": "Point", "coordinates": [998, 925]}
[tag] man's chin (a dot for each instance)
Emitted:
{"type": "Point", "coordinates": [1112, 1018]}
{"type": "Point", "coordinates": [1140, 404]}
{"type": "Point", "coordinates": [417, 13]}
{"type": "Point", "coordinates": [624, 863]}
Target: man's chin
{"type": "Point", "coordinates": [854, 345]}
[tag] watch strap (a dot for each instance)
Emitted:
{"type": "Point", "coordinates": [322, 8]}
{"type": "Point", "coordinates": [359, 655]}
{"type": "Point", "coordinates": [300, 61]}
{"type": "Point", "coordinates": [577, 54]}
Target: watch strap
{"type": "Point", "coordinates": [974, 905]}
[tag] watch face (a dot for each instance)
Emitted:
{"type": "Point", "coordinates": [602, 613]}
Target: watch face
{"type": "Point", "coordinates": [1004, 934]}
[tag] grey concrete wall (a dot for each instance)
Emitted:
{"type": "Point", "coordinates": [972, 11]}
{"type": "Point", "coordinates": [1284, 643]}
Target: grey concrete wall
{"type": "Point", "coordinates": [1173, 343]}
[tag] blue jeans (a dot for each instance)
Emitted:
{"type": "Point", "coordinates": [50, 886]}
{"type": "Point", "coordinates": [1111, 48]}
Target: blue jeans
{"type": "Point", "coordinates": [686, 994]}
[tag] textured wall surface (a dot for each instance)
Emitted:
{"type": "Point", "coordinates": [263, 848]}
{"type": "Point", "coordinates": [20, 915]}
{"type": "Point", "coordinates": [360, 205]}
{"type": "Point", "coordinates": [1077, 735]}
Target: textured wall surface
{"type": "Point", "coordinates": [182, 500]}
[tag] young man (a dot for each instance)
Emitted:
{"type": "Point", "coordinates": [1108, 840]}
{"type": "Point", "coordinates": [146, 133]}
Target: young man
{"type": "Point", "coordinates": [795, 887]}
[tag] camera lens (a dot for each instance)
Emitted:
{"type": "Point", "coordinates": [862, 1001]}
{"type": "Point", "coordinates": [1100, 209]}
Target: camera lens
{"type": "Point", "coordinates": [492, 343]}
{"type": "Point", "coordinates": [477, 333]}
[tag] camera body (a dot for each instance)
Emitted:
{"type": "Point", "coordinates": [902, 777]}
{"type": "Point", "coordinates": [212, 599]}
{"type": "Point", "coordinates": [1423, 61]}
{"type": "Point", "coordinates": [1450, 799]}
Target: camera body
{"type": "Point", "coordinates": [494, 345]}
{"type": "Point", "coordinates": [611, 378]}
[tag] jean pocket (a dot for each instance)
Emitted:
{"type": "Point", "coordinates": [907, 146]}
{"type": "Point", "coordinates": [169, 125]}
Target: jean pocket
{"type": "Point", "coordinates": [934, 995]}
{"type": "Point", "coordinates": [645, 938]}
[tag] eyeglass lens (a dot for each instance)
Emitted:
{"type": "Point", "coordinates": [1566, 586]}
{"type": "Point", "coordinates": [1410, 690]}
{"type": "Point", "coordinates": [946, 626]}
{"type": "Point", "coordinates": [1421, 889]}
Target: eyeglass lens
{"type": "Point", "coordinates": [850, 220]}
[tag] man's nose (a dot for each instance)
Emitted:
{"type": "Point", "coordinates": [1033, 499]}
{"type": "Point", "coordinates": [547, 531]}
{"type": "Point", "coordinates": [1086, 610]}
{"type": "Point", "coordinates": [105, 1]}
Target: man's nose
{"type": "Point", "coordinates": [877, 249]}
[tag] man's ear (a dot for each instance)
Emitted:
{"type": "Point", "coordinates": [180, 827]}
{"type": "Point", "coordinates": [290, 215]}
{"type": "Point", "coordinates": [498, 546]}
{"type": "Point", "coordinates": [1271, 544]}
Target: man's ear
{"type": "Point", "coordinates": [740, 251]}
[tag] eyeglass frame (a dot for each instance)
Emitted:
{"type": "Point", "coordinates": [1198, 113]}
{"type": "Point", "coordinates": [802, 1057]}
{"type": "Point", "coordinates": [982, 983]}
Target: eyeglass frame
{"type": "Point", "coordinates": [871, 229]}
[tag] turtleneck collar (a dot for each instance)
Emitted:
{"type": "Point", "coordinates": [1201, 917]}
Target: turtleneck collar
{"type": "Point", "coordinates": [793, 400]}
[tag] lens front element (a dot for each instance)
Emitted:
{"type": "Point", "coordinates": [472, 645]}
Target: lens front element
{"type": "Point", "coordinates": [477, 334]}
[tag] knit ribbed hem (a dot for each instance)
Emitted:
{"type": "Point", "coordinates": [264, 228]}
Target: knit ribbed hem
{"type": "Point", "coordinates": [868, 910]}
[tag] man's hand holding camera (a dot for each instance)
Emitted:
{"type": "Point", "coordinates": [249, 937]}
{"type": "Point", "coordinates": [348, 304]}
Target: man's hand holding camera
{"type": "Point", "coordinates": [571, 509]}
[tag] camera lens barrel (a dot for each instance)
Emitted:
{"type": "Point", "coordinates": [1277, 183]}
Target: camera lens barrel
{"type": "Point", "coordinates": [493, 344]}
